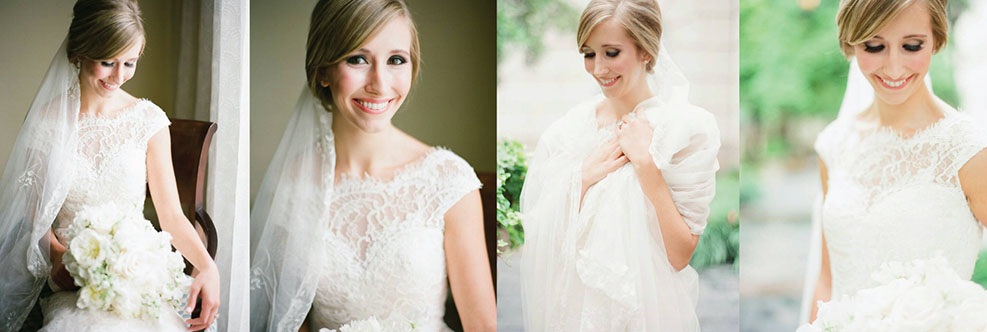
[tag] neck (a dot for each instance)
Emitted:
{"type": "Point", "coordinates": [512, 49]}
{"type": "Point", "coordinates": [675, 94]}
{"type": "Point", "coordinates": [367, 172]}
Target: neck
{"type": "Point", "coordinates": [91, 103]}
{"type": "Point", "coordinates": [918, 111]}
{"type": "Point", "coordinates": [626, 103]}
{"type": "Point", "coordinates": [358, 151]}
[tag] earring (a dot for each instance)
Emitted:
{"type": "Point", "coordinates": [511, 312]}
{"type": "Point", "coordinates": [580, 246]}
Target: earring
{"type": "Point", "coordinates": [324, 83]}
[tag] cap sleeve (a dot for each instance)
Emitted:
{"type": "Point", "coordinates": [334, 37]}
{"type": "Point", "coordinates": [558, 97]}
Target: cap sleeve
{"type": "Point", "coordinates": [684, 147]}
{"type": "Point", "coordinates": [456, 178]}
{"type": "Point", "coordinates": [968, 139]}
{"type": "Point", "coordinates": [154, 119]}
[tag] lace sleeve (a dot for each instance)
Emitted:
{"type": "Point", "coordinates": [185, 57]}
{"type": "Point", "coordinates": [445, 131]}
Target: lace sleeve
{"type": "Point", "coordinates": [968, 140]}
{"type": "Point", "coordinates": [825, 142]}
{"type": "Point", "coordinates": [685, 149]}
{"type": "Point", "coordinates": [456, 179]}
{"type": "Point", "coordinates": [155, 119]}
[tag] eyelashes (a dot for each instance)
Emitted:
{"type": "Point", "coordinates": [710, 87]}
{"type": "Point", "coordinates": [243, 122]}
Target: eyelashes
{"type": "Point", "coordinates": [110, 64]}
{"type": "Point", "coordinates": [395, 60]}
{"type": "Point", "coordinates": [914, 47]}
{"type": "Point", "coordinates": [609, 54]}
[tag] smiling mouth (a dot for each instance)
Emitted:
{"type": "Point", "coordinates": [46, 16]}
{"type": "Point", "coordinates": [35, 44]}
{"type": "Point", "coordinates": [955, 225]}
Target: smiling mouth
{"type": "Point", "coordinates": [895, 84]}
{"type": "Point", "coordinates": [108, 86]}
{"type": "Point", "coordinates": [608, 82]}
{"type": "Point", "coordinates": [372, 106]}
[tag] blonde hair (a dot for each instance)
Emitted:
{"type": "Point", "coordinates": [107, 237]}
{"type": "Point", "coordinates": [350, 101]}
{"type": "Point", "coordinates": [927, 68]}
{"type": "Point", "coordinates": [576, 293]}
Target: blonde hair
{"type": "Point", "coordinates": [640, 18]}
{"type": "Point", "coordinates": [340, 27]}
{"type": "Point", "coordinates": [102, 29]}
{"type": "Point", "coordinates": [860, 20]}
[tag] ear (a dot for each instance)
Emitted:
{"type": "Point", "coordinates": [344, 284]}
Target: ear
{"type": "Point", "coordinates": [324, 77]}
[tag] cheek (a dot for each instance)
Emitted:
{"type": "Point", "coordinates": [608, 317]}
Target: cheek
{"type": "Point", "coordinates": [402, 81]}
{"type": "Point", "coordinates": [588, 64]}
{"type": "Point", "coordinates": [919, 63]}
{"type": "Point", "coordinates": [344, 81]}
{"type": "Point", "coordinates": [868, 62]}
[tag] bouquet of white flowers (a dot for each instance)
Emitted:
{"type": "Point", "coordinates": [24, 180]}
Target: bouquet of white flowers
{"type": "Point", "coordinates": [123, 264]}
{"type": "Point", "coordinates": [922, 295]}
{"type": "Point", "coordinates": [373, 325]}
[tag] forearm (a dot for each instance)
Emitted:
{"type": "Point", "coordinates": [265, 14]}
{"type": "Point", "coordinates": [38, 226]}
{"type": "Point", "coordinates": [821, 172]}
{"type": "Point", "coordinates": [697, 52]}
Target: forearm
{"type": "Point", "coordinates": [56, 249]}
{"type": "Point", "coordinates": [186, 239]}
{"type": "Point", "coordinates": [676, 235]}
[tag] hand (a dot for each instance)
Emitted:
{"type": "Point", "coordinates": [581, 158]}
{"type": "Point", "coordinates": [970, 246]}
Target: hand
{"type": "Point", "coordinates": [634, 135]}
{"type": "Point", "coordinates": [206, 286]}
{"type": "Point", "coordinates": [607, 158]}
{"type": "Point", "coordinates": [61, 277]}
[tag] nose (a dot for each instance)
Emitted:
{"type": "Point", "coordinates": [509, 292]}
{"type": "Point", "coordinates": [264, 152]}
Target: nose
{"type": "Point", "coordinates": [600, 66]}
{"type": "Point", "coordinates": [118, 73]}
{"type": "Point", "coordinates": [378, 79]}
{"type": "Point", "coordinates": [896, 64]}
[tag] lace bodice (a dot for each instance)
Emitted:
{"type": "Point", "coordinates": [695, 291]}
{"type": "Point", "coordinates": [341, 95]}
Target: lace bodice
{"type": "Point", "coordinates": [894, 198]}
{"type": "Point", "coordinates": [385, 250]}
{"type": "Point", "coordinates": [110, 161]}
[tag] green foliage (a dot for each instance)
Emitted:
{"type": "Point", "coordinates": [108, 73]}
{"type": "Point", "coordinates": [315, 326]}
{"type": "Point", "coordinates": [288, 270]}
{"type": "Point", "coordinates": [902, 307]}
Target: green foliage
{"type": "Point", "coordinates": [720, 243]}
{"type": "Point", "coordinates": [980, 269]}
{"type": "Point", "coordinates": [511, 168]}
{"type": "Point", "coordinates": [523, 23]}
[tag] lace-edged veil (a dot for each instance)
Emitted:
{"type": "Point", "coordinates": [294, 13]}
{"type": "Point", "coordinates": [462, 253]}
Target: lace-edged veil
{"type": "Point", "coordinates": [33, 187]}
{"type": "Point", "coordinates": [288, 221]}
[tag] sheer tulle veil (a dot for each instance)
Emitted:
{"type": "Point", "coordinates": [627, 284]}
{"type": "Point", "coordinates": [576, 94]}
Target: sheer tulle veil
{"type": "Point", "coordinates": [33, 187]}
{"type": "Point", "coordinates": [575, 274]}
{"type": "Point", "coordinates": [288, 220]}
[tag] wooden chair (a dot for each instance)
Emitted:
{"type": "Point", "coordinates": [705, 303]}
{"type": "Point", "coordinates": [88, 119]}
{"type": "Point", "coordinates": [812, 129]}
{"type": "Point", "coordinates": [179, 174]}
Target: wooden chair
{"type": "Point", "coordinates": [488, 194]}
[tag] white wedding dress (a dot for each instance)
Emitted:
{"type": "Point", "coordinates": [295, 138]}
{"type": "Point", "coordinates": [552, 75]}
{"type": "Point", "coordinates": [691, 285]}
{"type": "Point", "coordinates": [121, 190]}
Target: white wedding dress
{"type": "Point", "coordinates": [384, 246]}
{"type": "Point", "coordinates": [893, 198]}
{"type": "Point", "coordinates": [108, 167]}
{"type": "Point", "coordinates": [602, 266]}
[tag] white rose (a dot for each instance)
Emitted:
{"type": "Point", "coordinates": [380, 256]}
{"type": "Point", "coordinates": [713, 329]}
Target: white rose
{"type": "Point", "coordinates": [94, 297]}
{"type": "Point", "coordinates": [88, 249]}
{"type": "Point", "coordinates": [918, 309]}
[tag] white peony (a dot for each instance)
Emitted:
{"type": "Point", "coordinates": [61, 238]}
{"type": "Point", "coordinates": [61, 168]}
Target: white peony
{"type": "Point", "coordinates": [124, 265]}
{"type": "Point", "coordinates": [922, 295]}
{"type": "Point", "coordinates": [89, 249]}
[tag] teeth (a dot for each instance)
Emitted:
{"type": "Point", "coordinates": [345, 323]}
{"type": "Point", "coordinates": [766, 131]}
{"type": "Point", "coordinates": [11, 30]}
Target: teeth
{"type": "Point", "coordinates": [373, 106]}
{"type": "Point", "coordinates": [894, 84]}
{"type": "Point", "coordinates": [111, 86]}
{"type": "Point", "coordinates": [607, 82]}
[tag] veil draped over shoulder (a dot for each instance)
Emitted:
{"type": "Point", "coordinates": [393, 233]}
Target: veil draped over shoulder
{"type": "Point", "coordinates": [33, 187]}
{"type": "Point", "coordinates": [289, 217]}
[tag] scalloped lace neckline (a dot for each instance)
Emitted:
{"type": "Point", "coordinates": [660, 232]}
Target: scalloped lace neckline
{"type": "Point", "coordinates": [400, 173]}
{"type": "Point", "coordinates": [126, 111]}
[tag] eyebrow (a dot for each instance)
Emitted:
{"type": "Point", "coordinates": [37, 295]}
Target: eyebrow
{"type": "Point", "coordinates": [396, 50]}
{"type": "Point", "coordinates": [906, 37]}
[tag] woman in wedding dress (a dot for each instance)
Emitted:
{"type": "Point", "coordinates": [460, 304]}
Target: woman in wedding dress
{"type": "Point", "coordinates": [618, 190]}
{"type": "Point", "coordinates": [905, 177]}
{"type": "Point", "coordinates": [86, 142]}
{"type": "Point", "coordinates": [359, 221]}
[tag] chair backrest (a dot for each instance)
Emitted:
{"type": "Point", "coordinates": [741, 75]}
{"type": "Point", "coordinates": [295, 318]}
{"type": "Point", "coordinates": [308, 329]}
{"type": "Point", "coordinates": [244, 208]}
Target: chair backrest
{"type": "Point", "coordinates": [488, 194]}
{"type": "Point", "coordinates": [190, 140]}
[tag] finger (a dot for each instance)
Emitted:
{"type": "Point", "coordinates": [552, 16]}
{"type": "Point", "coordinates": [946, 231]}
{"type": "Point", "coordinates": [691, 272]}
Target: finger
{"type": "Point", "coordinates": [192, 297]}
{"type": "Point", "coordinates": [621, 161]}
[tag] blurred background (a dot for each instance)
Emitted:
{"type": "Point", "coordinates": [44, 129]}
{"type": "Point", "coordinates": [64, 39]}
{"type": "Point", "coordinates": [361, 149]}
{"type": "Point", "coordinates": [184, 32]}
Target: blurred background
{"type": "Point", "coordinates": [540, 76]}
{"type": "Point", "coordinates": [792, 80]}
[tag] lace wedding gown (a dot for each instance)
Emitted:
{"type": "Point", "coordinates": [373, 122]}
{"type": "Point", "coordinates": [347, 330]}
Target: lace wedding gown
{"type": "Point", "coordinates": [385, 250]}
{"type": "Point", "coordinates": [109, 167]}
{"type": "Point", "coordinates": [893, 198]}
{"type": "Point", "coordinates": [602, 266]}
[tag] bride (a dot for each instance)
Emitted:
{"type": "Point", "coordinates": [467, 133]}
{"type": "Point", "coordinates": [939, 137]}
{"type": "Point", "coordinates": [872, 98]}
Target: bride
{"type": "Point", "coordinates": [86, 142]}
{"type": "Point", "coordinates": [358, 221]}
{"type": "Point", "coordinates": [618, 190]}
{"type": "Point", "coordinates": [905, 177]}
